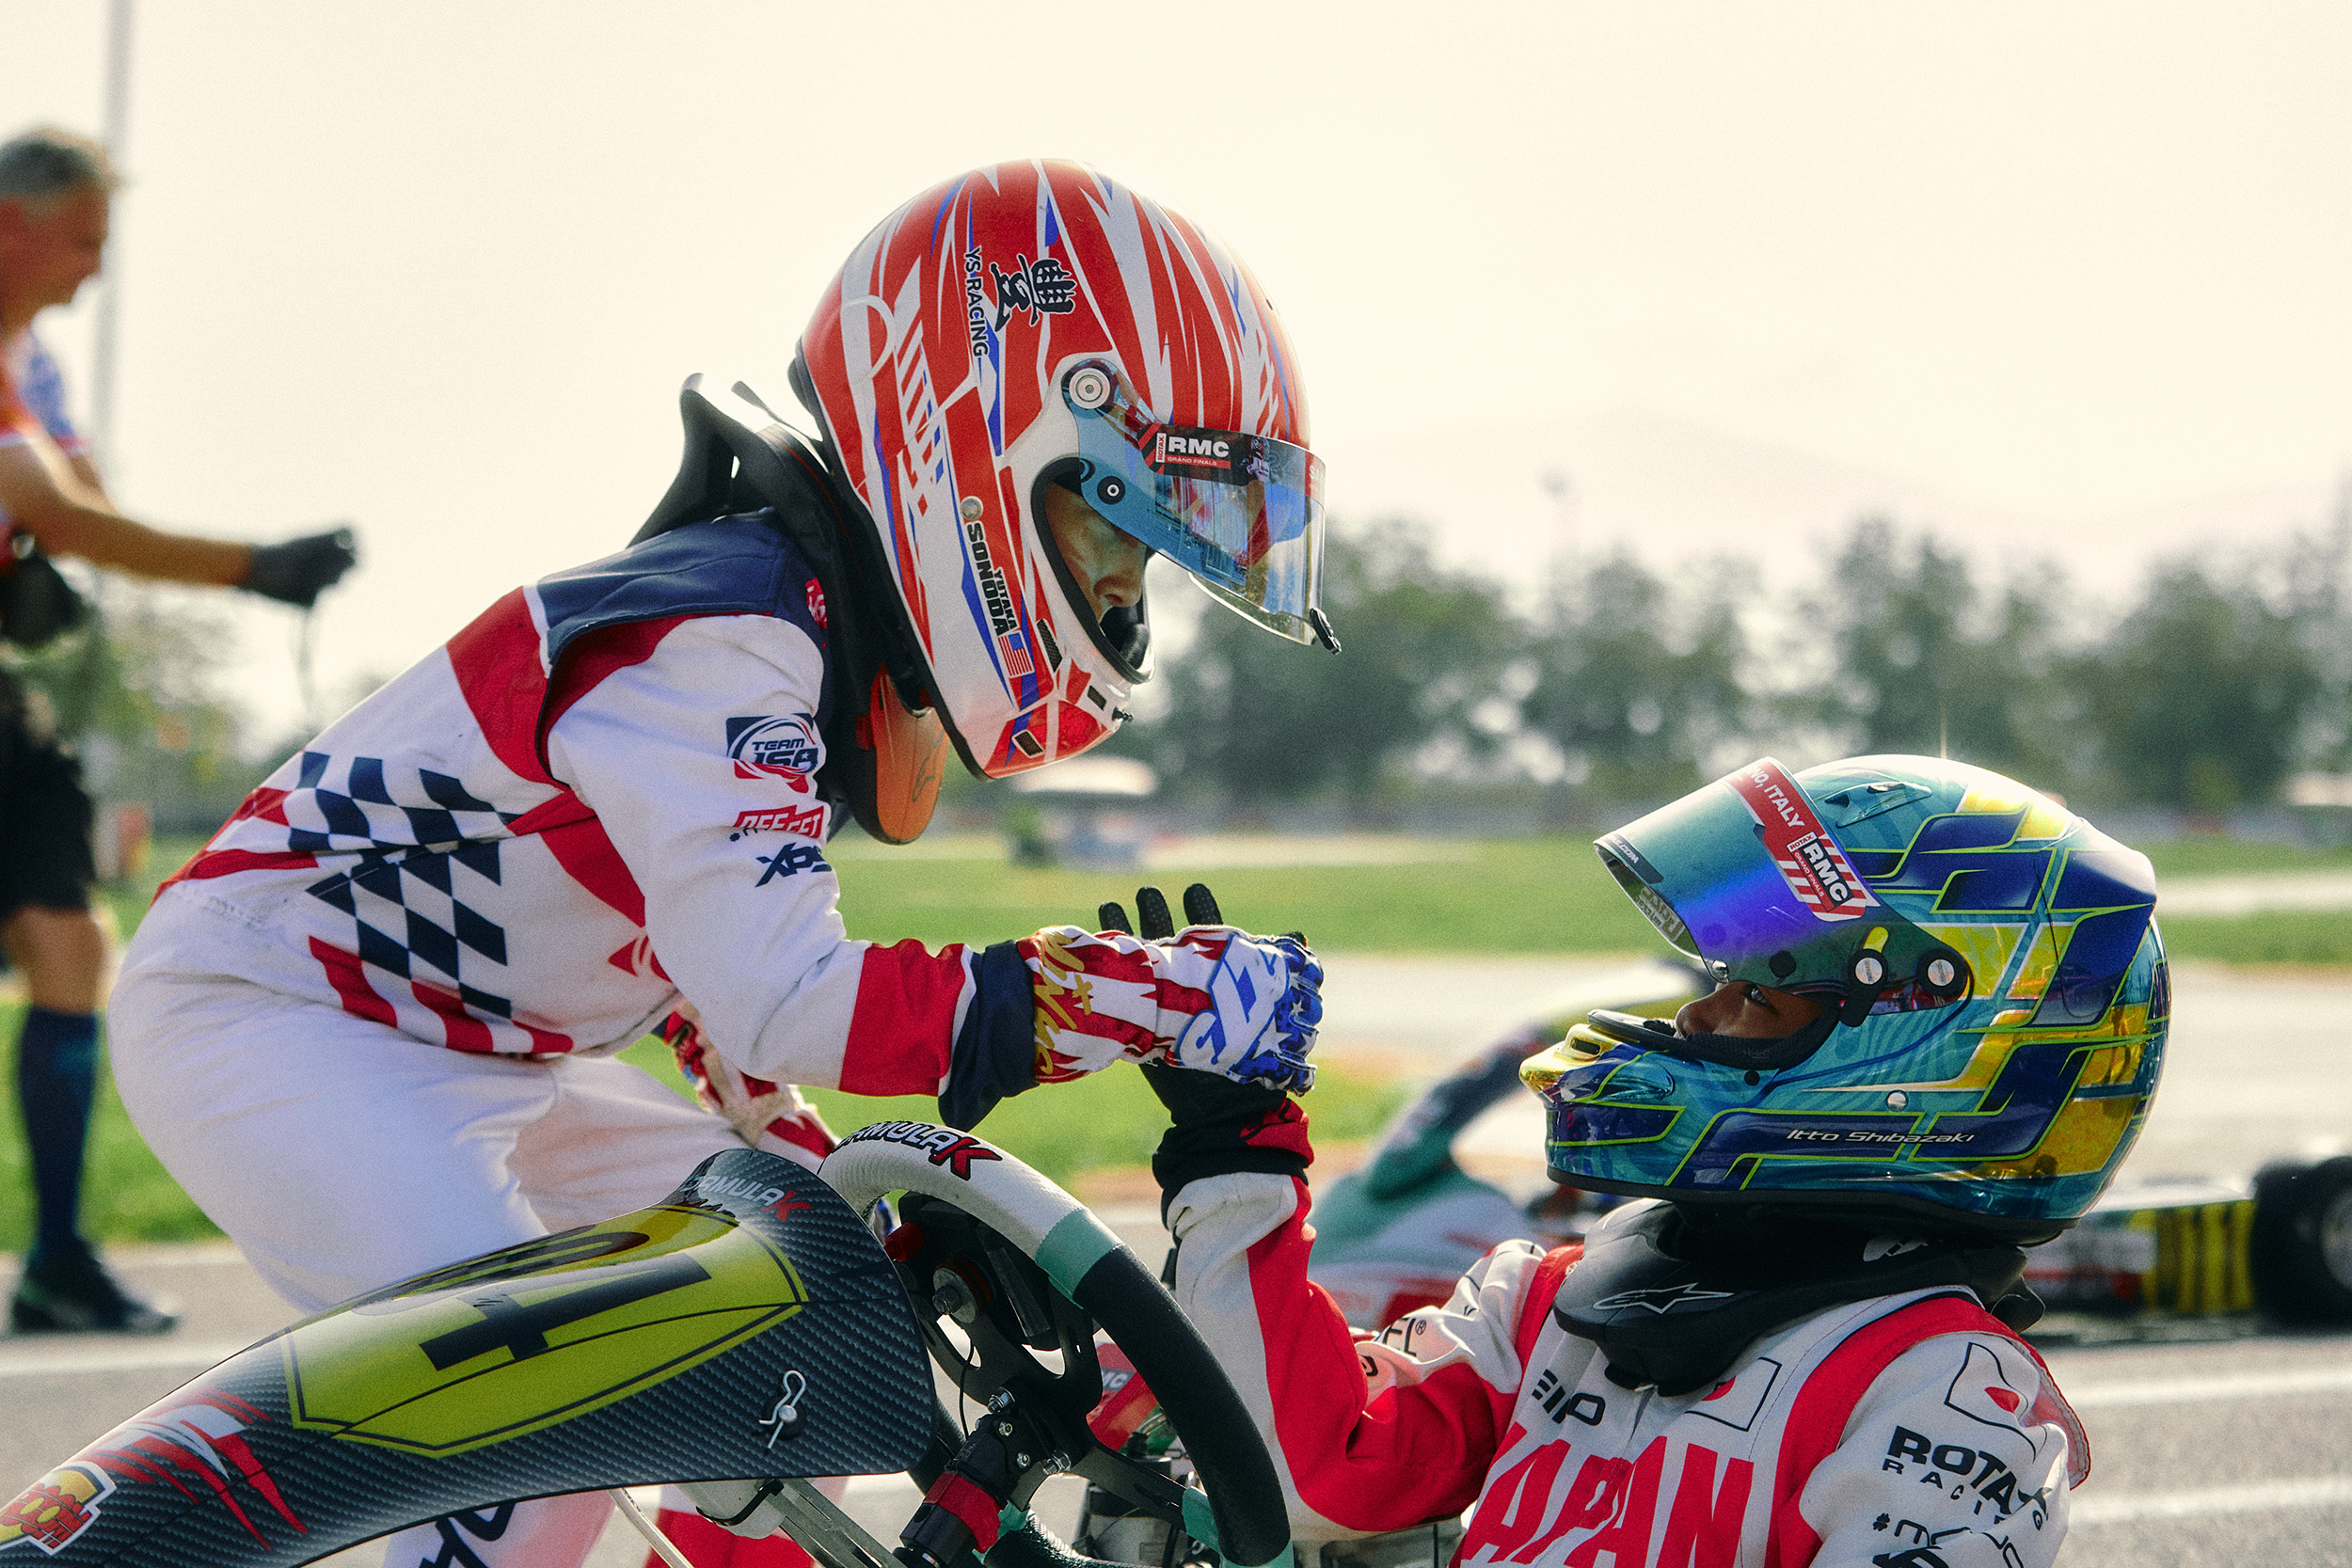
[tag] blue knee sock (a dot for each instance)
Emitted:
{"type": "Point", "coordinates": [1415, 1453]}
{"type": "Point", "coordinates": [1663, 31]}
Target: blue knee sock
{"type": "Point", "coordinates": [57, 1078]}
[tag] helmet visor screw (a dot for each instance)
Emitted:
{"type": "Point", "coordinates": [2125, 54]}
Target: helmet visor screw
{"type": "Point", "coordinates": [1896, 1100]}
{"type": "Point", "coordinates": [1089, 387]}
{"type": "Point", "coordinates": [971, 508]}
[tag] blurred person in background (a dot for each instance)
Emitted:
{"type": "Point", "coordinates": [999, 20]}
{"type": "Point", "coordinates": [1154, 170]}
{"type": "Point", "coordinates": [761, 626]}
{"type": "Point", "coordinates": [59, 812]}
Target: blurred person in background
{"type": "Point", "coordinates": [56, 191]}
{"type": "Point", "coordinates": [393, 985]}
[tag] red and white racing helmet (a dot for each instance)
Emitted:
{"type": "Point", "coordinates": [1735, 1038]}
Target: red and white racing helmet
{"type": "Point", "coordinates": [1037, 323]}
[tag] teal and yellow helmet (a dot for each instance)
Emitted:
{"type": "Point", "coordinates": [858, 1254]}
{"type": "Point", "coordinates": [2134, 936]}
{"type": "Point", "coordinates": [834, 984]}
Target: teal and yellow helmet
{"type": "Point", "coordinates": [1994, 994]}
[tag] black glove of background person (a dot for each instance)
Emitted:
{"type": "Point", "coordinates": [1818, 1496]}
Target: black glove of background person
{"type": "Point", "coordinates": [297, 570]}
{"type": "Point", "coordinates": [1217, 1126]}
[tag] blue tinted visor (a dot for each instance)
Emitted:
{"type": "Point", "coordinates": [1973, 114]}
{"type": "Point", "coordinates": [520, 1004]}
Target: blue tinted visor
{"type": "Point", "coordinates": [1743, 877]}
{"type": "Point", "coordinates": [1243, 514]}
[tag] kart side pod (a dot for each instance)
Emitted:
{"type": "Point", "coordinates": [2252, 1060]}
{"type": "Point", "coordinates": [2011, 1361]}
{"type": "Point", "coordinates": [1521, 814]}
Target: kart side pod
{"type": "Point", "coordinates": [749, 1325]}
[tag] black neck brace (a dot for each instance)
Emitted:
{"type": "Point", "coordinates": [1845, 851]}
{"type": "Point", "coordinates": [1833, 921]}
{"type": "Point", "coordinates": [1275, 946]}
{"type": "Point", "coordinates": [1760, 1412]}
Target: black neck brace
{"type": "Point", "coordinates": [740, 459]}
{"type": "Point", "coordinates": [1673, 1297]}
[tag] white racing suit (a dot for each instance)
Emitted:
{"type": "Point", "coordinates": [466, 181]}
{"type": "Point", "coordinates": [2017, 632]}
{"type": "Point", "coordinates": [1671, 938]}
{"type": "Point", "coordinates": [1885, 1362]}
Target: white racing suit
{"type": "Point", "coordinates": [368, 1027]}
{"type": "Point", "coordinates": [1908, 1431]}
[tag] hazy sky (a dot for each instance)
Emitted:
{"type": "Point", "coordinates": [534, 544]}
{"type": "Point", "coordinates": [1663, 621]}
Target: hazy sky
{"type": "Point", "coordinates": [2067, 279]}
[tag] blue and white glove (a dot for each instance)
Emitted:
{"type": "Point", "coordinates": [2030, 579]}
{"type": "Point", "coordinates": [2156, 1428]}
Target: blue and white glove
{"type": "Point", "coordinates": [1266, 1004]}
{"type": "Point", "coordinates": [1210, 997]}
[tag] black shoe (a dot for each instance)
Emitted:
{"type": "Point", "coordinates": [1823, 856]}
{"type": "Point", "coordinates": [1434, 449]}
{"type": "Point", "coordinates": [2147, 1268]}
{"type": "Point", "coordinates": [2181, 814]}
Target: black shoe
{"type": "Point", "coordinates": [73, 1293]}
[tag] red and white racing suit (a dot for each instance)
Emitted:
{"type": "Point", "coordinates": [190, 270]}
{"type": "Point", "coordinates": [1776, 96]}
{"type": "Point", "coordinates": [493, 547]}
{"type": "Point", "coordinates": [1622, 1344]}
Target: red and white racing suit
{"type": "Point", "coordinates": [1912, 1431]}
{"type": "Point", "coordinates": [368, 1026]}
{"type": "Point", "coordinates": [598, 795]}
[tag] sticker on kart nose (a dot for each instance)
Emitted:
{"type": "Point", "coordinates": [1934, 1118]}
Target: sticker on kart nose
{"type": "Point", "coordinates": [53, 1512]}
{"type": "Point", "coordinates": [766, 746]}
{"type": "Point", "coordinates": [523, 1338]}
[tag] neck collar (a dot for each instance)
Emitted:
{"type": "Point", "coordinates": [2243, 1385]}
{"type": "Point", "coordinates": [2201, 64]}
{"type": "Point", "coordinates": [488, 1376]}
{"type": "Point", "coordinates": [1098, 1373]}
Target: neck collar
{"type": "Point", "coordinates": [1673, 1299]}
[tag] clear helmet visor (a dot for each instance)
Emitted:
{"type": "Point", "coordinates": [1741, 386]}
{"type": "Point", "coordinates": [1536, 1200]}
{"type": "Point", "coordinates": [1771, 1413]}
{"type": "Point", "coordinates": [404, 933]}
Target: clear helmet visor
{"type": "Point", "coordinates": [1242, 514]}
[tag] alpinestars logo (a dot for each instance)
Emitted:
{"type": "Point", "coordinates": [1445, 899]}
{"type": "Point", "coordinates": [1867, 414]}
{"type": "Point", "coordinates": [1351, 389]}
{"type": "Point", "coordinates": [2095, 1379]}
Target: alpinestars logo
{"type": "Point", "coordinates": [1042, 288]}
{"type": "Point", "coordinates": [1660, 1299]}
{"type": "Point", "coordinates": [767, 747]}
{"type": "Point", "coordinates": [790, 861]}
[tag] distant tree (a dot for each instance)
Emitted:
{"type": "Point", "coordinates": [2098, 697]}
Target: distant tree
{"type": "Point", "coordinates": [1633, 689]}
{"type": "Point", "coordinates": [1921, 664]}
{"type": "Point", "coordinates": [1260, 720]}
{"type": "Point", "coordinates": [2201, 696]}
{"type": "Point", "coordinates": [2318, 596]}
{"type": "Point", "coordinates": [143, 689]}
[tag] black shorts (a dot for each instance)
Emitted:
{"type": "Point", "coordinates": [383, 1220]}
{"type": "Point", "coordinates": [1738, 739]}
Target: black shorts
{"type": "Point", "coordinates": [45, 821]}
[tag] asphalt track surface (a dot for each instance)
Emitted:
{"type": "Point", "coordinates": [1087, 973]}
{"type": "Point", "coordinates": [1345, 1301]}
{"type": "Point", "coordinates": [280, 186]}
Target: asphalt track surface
{"type": "Point", "coordinates": [2213, 1447]}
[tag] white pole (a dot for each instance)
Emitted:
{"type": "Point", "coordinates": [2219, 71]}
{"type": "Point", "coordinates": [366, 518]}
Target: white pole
{"type": "Point", "coordinates": [118, 18]}
{"type": "Point", "coordinates": [98, 748]}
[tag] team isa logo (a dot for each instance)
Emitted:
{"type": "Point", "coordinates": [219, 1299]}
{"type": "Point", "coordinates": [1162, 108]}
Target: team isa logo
{"type": "Point", "coordinates": [766, 747]}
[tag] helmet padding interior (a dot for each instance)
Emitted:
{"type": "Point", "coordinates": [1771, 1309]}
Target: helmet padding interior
{"type": "Point", "coordinates": [1122, 632]}
{"type": "Point", "coordinates": [1734, 1050]}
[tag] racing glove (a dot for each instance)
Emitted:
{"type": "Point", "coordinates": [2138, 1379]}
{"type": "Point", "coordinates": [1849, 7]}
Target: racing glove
{"type": "Point", "coordinates": [1210, 997]}
{"type": "Point", "coordinates": [1216, 1125]}
{"type": "Point", "coordinates": [1065, 1002]}
{"type": "Point", "coordinates": [297, 570]}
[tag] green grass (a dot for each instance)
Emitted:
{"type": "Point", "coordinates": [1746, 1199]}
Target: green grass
{"type": "Point", "coordinates": [1522, 896]}
{"type": "Point", "coordinates": [1519, 895]}
{"type": "Point", "coordinates": [2225, 857]}
{"type": "Point", "coordinates": [126, 1195]}
{"type": "Point", "coordinates": [1067, 1130]}
{"type": "Point", "coordinates": [2268, 937]}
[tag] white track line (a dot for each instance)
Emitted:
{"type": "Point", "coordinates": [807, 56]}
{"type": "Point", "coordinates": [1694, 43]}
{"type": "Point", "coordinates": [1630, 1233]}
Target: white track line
{"type": "Point", "coordinates": [2262, 1496]}
{"type": "Point", "coordinates": [2202, 1391]}
{"type": "Point", "coordinates": [195, 1354]}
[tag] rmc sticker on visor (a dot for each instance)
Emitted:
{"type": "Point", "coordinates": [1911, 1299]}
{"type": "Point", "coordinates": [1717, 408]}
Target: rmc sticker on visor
{"type": "Point", "coordinates": [1809, 860]}
{"type": "Point", "coordinates": [1220, 456]}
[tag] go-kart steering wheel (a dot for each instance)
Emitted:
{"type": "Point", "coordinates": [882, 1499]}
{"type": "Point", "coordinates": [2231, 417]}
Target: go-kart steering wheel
{"type": "Point", "coordinates": [1020, 1266]}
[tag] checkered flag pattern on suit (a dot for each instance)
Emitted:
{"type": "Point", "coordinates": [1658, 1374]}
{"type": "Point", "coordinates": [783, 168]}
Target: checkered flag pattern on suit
{"type": "Point", "coordinates": [417, 863]}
